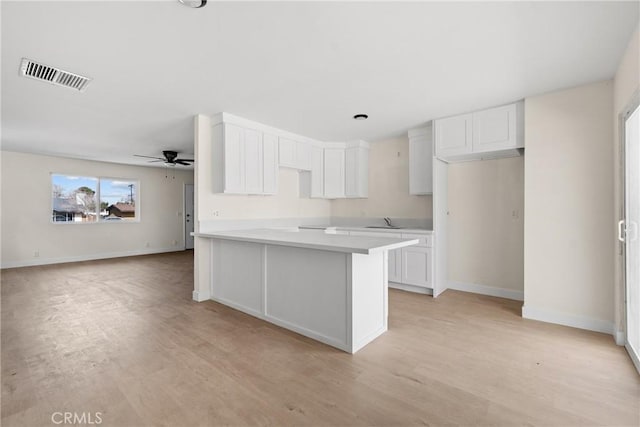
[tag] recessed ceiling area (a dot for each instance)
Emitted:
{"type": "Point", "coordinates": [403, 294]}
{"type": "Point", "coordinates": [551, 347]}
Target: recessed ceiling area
{"type": "Point", "coordinates": [300, 66]}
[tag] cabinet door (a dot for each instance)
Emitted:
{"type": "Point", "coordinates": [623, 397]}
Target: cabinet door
{"type": "Point", "coordinates": [303, 155]}
{"type": "Point", "coordinates": [417, 266]}
{"type": "Point", "coordinates": [494, 129]}
{"type": "Point", "coordinates": [421, 164]}
{"type": "Point", "coordinates": [253, 161]}
{"type": "Point", "coordinates": [356, 172]}
{"type": "Point", "coordinates": [453, 136]}
{"type": "Point", "coordinates": [317, 172]}
{"type": "Point", "coordinates": [334, 173]}
{"type": "Point", "coordinates": [395, 266]}
{"type": "Point", "coordinates": [234, 176]}
{"type": "Point", "coordinates": [287, 153]}
{"type": "Point", "coordinates": [270, 163]}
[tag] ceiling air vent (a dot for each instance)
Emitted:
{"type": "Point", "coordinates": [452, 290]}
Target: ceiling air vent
{"type": "Point", "coordinates": [56, 76]}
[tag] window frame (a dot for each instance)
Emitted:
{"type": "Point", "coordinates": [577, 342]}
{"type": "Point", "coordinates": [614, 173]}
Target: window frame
{"type": "Point", "coordinates": [99, 220]}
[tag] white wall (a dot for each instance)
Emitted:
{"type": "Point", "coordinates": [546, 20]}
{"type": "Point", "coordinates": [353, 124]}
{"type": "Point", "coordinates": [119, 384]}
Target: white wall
{"type": "Point", "coordinates": [569, 224]}
{"type": "Point", "coordinates": [486, 240]}
{"type": "Point", "coordinates": [625, 87]}
{"type": "Point", "coordinates": [26, 212]}
{"type": "Point", "coordinates": [388, 186]}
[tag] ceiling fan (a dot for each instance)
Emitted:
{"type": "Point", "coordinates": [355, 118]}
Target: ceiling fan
{"type": "Point", "coordinates": [170, 159]}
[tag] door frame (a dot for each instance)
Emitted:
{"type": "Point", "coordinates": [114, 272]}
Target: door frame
{"type": "Point", "coordinates": [633, 104]}
{"type": "Point", "coordinates": [184, 213]}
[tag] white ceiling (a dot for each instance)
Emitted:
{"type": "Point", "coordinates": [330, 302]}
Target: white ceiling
{"type": "Point", "coordinates": [303, 67]}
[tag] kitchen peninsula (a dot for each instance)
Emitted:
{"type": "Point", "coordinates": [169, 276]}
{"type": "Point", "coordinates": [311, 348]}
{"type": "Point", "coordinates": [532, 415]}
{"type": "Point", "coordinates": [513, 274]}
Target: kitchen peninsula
{"type": "Point", "coordinates": [328, 287]}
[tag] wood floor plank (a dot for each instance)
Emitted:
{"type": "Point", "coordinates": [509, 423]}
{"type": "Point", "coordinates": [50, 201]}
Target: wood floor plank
{"type": "Point", "coordinates": [122, 337]}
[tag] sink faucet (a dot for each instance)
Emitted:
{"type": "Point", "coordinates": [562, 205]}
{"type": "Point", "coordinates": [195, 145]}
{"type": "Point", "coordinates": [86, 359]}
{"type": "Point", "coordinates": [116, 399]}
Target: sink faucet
{"type": "Point", "coordinates": [388, 221]}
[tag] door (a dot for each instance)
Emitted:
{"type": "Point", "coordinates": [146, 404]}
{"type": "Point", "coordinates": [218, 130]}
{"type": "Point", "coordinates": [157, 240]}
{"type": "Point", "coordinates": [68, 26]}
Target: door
{"type": "Point", "coordinates": [233, 159]}
{"type": "Point", "coordinates": [453, 136]}
{"type": "Point", "coordinates": [629, 234]}
{"type": "Point", "coordinates": [270, 164]}
{"type": "Point", "coordinates": [494, 129]}
{"type": "Point", "coordinates": [253, 161]}
{"type": "Point", "coordinates": [420, 162]}
{"type": "Point", "coordinates": [317, 172]}
{"type": "Point", "coordinates": [395, 266]}
{"type": "Point", "coordinates": [416, 266]}
{"type": "Point", "coordinates": [333, 173]}
{"type": "Point", "coordinates": [188, 216]}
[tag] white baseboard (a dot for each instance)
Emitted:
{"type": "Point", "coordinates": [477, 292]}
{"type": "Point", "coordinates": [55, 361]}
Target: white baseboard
{"type": "Point", "coordinates": [581, 322]}
{"type": "Point", "coordinates": [89, 257]}
{"type": "Point", "coordinates": [634, 359]}
{"type": "Point", "coordinates": [198, 297]}
{"type": "Point", "coordinates": [619, 336]}
{"type": "Point", "coordinates": [486, 290]}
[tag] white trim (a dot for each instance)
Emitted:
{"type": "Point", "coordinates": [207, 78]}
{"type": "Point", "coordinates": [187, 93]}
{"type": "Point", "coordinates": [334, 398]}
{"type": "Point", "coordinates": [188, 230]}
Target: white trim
{"type": "Point", "coordinates": [196, 297]}
{"type": "Point", "coordinates": [619, 337]}
{"type": "Point", "coordinates": [90, 257]}
{"type": "Point", "coordinates": [633, 357]}
{"type": "Point", "coordinates": [581, 322]}
{"type": "Point", "coordinates": [411, 288]}
{"type": "Point", "coordinates": [486, 290]}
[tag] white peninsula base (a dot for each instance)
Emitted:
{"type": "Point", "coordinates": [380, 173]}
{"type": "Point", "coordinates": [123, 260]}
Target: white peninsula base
{"type": "Point", "coordinates": [338, 297]}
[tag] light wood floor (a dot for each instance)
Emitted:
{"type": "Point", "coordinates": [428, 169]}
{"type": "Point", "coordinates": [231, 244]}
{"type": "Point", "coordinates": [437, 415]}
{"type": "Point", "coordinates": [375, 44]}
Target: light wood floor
{"type": "Point", "coordinates": [123, 338]}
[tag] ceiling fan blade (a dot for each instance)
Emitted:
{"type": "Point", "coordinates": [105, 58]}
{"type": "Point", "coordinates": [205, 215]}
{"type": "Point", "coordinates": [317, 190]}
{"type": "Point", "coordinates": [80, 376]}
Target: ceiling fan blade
{"type": "Point", "coordinates": [185, 160]}
{"type": "Point", "coordinates": [156, 161]}
{"type": "Point", "coordinates": [149, 157]}
{"type": "Point", "coordinates": [182, 162]}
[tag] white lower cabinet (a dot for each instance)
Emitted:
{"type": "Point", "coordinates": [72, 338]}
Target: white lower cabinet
{"type": "Point", "coordinates": [412, 265]}
{"type": "Point", "coordinates": [417, 266]}
{"type": "Point", "coordinates": [395, 265]}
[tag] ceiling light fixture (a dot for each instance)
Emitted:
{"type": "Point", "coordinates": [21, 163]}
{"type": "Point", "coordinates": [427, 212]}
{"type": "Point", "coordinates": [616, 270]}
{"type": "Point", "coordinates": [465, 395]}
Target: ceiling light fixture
{"type": "Point", "coordinates": [360, 117]}
{"type": "Point", "coordinates": [196, 4]}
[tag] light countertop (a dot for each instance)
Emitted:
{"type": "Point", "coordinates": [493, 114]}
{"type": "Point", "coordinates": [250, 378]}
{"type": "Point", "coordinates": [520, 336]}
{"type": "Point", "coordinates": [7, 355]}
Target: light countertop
{"type": "Point", "coordinates": [384, 230]}
{"type": "Point", "coordinates": [310, 239]}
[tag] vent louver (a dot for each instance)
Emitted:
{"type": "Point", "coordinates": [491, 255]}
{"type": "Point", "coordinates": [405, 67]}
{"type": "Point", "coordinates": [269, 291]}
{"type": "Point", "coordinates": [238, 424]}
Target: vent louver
{"type": "Point", "coordinates": [53, 75]}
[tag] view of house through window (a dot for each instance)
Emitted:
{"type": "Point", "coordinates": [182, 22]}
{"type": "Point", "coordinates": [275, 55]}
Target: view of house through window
{"type": "Point", "coordinates": [91, 199]}
{"type": "Point", "coordinates": [117, 199]}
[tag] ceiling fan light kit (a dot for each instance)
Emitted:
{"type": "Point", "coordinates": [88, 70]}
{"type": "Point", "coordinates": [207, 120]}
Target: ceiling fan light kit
{"type": "Point", "coordinates": [170, 159]}
{"type": "Point", "coordinates": [194, 4]}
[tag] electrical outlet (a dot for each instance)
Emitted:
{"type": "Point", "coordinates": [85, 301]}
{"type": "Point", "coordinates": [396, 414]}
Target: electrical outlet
{"type": "Point", "coordinates": [36, 254]}
{"type": "Point", "coordinates": [175, 242]}
{"type": "Point", "coordinates": [515, 214]}
{"type": "Point", "coordinates": [216, 213]}
{"type": "Point", "coordinates": [146, 245]}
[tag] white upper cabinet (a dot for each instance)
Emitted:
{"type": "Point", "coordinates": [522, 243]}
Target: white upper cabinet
{"type": "Point", "coordinates": [338, 170]}
{"type": "Point", "coordinates": [495, 129]}
{"type": "Point", "coordinates": [253, 162]}
{"type": "Point", "coordinates": [334, 177]}
{"type": "Point", "coordinates": [303, 155]}
{"type": "Point", "coordinates": [317, 172]}
{"type": "Point", "coordinates": [421, 161]}
{"type": "Point", "coordinates": [487, 134]}
{"type": "Point", "coordinates": [357, 170]}
{"type": "Point", "coordinates": [287, 152]}
{"type": "Point", "coordinates": [294, 154]}
{"type": "Point", "coordinates": [453, 135]}
{"type": "Point", "coordinates": [229, 145]}
{"type": "Point", "coordinates": [244, 159]}
{"type": "Point", "coordinates": [270, 163]}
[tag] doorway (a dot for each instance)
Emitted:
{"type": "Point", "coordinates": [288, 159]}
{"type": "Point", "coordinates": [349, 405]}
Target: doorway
{"type": "Point", "coordinates": [628, 232]}
{"type": "Point", "coordinates": [188, 216]}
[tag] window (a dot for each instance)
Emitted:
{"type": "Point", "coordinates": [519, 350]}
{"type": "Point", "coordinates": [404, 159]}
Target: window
{"type": "Point", "coordinates": [82, 199]}
{"type": "Point", "coordinates": [117, 199]}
